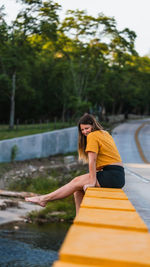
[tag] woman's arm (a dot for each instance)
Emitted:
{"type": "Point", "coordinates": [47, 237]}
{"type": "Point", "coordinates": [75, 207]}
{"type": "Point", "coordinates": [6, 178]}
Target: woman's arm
{"type": "Point", "coordinates": [92, 156]}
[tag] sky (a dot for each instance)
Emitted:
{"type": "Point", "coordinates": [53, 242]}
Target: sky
{"type": "Point", "coordinates": [132, 14]}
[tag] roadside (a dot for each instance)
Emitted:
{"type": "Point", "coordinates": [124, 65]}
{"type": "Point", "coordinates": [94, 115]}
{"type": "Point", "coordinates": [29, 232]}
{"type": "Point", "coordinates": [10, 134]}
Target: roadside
{"type": "Point", "coordinates": [137, 188]}
{"type": "Point", "coordinates": [133, 142]}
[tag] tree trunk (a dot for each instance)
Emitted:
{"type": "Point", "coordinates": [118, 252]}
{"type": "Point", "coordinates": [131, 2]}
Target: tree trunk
{"type": "Point", "coordinates": [12, 102]}
{"type": "Point", "coordinates": [63, 112]}
{"type": "Point", "coordinates": [113, 108]}
{"type": "Point", "coordinates": [120, 108]}
{"type": "Point", "coordinates": [146, 110]}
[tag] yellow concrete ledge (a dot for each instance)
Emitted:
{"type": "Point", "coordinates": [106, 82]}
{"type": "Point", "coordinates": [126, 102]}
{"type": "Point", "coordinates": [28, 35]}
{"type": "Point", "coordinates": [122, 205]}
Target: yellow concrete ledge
{"type": "Point", "coordinates": [101, 203]}
{"type": "Point", "coordinates": [110, 219]}
{"type": "Point", "coordinates": [106, 194]}
{"type": "Point", "coordinates": [69, 264]}
{"type": "Point", "coordinates": [90, 245]}
{"type": "Point", "coordinates": [107, 232]}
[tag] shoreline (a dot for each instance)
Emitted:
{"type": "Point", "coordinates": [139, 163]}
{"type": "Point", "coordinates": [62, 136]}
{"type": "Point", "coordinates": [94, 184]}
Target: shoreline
{"type": "Point", "coordinates": [16, 213]}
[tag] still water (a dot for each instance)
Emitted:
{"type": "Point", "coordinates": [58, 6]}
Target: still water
{"type": "Point", "coordinates": [31, 245]}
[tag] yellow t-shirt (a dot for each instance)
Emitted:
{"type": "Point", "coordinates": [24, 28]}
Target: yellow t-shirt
{"type": "Point", "coordinates": [102, 143]}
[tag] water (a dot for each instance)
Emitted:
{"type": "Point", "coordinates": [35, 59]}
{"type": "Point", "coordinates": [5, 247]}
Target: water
{"type": "Point", "coordinates": [31, 245]}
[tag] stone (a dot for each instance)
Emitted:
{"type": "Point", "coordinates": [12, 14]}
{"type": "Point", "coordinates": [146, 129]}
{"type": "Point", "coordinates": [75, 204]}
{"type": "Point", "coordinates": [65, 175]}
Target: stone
{"type": "Point", "coordinates": [69, 159]}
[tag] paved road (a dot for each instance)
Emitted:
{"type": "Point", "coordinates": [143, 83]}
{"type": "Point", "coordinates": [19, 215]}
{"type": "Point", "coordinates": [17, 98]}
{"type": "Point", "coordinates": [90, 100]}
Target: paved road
{"type": "Point", "coordinates": [137, 185]}
{"type": "Point", "coordinates": [144, 139]}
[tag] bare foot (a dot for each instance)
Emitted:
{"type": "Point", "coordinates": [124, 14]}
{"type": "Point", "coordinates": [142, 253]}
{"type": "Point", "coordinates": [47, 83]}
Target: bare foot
{"type": "Point", "coordinates": [36, 200]}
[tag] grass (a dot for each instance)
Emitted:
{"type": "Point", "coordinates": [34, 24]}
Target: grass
{"type": "Point", "coordinates": [5, 167]}
{"type": "Point", "coordinates": [55, 211]}
{"type": "Point", "coordinates": [39, 185]}
{"type": "Point", "coordinates": [60, 210]}
{"type": "Point", "coordinates": [29, 129]}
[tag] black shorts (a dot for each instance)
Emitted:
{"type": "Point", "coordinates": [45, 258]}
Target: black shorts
{"type": "Point", "coordinates": [112, 176]}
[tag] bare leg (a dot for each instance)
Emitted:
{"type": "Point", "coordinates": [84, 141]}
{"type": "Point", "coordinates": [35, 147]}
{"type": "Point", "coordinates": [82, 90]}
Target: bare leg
{"type": "Point", "coordinates": [78, 196]}
{"type": "Point", "coordinates": [75, 185]}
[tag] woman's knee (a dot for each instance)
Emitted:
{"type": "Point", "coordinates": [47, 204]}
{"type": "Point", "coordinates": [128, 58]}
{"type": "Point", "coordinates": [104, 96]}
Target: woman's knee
{"type": "Point", "coordinates": [77, 183]}
{"type": "Point", "coordinates": [80, 181]}
{"type": "Point", "coordinates": [75, 194]}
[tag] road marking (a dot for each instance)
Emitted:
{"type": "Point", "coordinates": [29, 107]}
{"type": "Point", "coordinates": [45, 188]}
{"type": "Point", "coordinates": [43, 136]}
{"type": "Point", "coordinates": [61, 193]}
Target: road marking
{"type": "Point", "coordinates": [138, 143]}
{"type": "Point", "coordinates": [141, 178]}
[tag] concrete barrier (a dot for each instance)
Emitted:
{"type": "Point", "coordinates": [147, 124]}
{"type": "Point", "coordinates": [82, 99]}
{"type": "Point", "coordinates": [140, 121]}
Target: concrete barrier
{"type": "Point", "coordinates": [40, 145]}
{"type": "Point", "coordinates": [107, 232]}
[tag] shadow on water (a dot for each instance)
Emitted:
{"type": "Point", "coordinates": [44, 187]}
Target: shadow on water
{"type": "Point", "coordinates": [31, 245]}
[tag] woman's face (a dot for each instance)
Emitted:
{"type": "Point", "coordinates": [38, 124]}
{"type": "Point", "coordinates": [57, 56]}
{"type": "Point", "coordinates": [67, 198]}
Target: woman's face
{"type": "Point", "coordinates": [86, 129]}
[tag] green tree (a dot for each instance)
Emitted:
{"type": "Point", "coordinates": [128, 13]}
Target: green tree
{"type": "Point", "coordinates": [38, 19]}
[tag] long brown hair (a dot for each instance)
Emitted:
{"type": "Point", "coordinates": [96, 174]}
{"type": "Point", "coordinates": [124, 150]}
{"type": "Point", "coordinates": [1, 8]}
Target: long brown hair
{"type": "Point", "coordinates": [86, 119]}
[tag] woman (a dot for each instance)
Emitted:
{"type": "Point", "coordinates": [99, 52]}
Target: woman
{"type": "Point", "coordinates": [96, 147]}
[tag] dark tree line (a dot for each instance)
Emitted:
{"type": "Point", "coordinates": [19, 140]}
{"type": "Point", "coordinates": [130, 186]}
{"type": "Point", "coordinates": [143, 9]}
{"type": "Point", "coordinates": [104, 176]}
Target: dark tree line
{"type": "Point", "coordinates": [51, 68]}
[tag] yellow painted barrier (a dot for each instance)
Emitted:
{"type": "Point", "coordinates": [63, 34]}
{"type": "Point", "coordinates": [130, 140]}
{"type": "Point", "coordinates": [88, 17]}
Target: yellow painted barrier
{"type": "Point", "coordinates": [107, 232]}
{"type": "Point", "coordinates": [106, 194]}
{"type": "Point", "coordinates": [110, 219]}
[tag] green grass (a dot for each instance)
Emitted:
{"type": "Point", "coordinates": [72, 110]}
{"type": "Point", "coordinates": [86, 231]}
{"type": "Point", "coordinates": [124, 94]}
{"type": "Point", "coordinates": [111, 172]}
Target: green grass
{"type": "Point", "coordinates": [5, 167]}
{"type": "Point", "coordinates": [29, 129]}
{"type": "Point", "coordinates": [42, 185]}
{"type": "Point", "coordinates": [65, 209]}
{"type": "Point", "coordinates": [39, 185]}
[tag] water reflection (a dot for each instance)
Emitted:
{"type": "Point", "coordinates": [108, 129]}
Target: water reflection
{"type": "Point", "coordinates": [31, 245]}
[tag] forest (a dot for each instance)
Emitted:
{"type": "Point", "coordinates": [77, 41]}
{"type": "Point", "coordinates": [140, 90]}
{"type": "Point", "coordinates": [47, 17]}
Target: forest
{"type": "Point", "coordinates": [52, 68]}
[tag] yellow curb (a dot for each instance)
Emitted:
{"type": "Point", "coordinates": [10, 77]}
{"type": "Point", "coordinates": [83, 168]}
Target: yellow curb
{"type": "Point", "coordinates": [103, 189]}
{"type": "Point", "coordinates": [106, 232]}
{"type": "Point", "coordinates": [106, 246]}
{"type": "Point", "coordinates": [102, 203]}
{"type": "Point", "coordinates": [70, 264]}
{"type": "Point", "coordinates": [104, 194]}
{"type": "Point", "coordinates": [138, 143]}
{"type": "Point", "coordinates": [110, 219]}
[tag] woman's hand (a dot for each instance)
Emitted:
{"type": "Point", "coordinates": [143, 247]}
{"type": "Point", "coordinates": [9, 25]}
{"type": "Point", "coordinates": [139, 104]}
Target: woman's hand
{"type": "Point", "coordinates": [87, 186]}
{"type": "Point", "coordinates": [92, 170]}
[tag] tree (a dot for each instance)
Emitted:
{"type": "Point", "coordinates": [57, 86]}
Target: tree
{"type": "Point", "coordinates": [19, 51]}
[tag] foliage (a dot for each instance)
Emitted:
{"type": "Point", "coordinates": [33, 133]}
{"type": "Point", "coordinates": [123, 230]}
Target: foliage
{"type": "Point", "coordinates": [60, 69]}
{"type": "Point", "coordinates": [59, 210]}
{"type": "Point", "coordinates": [44, 185]}
{"type": "Point", "coordinates": [29, 129]}
{"type": "Point", "coordinates": [40, 185]}
{"type": "Point", "coordinates": [55, 211]}
{"type": "Point", "coordinates": [14, 151]}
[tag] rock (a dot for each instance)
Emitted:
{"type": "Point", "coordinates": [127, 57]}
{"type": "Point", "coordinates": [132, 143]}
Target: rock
{"type": "Point", "coordinates": [69, 159]}
{"type": "Point", "coordinates": [52, 162]}
{"type": "Point", "coordinates": [17, 194]}
{"type": "Point", "coordinates": [41, 168]}
{"type": "Point", "coordinates": [3, 206]}
{"type": "Point", "coordinates": [16, 227]}
{"type": "Point", "coordinates": [32, 169]}
{"type": "Point", "coordinates": [11, 203]}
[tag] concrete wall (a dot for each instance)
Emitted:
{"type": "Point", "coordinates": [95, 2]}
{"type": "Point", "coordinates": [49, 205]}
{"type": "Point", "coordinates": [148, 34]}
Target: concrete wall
{"type": "Point", "coordinates": [40, 145]}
